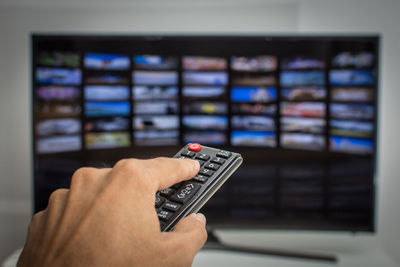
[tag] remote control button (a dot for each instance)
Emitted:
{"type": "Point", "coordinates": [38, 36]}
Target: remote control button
{"type": "Point", "coordinates": [218, 160]}
{"type": "Point", "coordinates": [224, 154]}
{"type": "Point", "coordinates": [200, 178]}
{"type": "Point", "coordinates": [159, 201]}
{"type": "Point", "coordinates": [203, 156]}
{"type": "Point", "coordinates": [195, 147]}
{"type": "Point", "coordinates": [212, 166]}
{"type": "Point", "coordinates": [201, 162]}
{"type": "Point", "coordinates": [206, 172]}
{"type": "Point", "coordinates": [164, 215]}
{"type": "Point", "coordinates": [188, 153]}
{"type": "Point", "coordinates": [186, 192]}
{"type": "Point", "coordinates": [176, 186]}
{"type": "Point", "coordinates": [167, 192]}
{"type": "Point", "coordinates": [171, 206]}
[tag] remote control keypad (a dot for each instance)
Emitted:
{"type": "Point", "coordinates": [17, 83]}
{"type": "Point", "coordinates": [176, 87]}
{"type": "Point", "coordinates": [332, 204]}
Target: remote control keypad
{"type": "Point", "coordinates": [172, 200]}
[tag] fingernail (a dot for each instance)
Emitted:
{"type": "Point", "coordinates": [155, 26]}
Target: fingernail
{"type": "Point", "coordinates": [200, 217]}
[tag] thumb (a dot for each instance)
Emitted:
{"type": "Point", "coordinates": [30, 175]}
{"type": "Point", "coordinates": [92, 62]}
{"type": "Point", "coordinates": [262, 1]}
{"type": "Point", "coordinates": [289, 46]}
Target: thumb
{"type": "Point", "coordinates": [192, 231]}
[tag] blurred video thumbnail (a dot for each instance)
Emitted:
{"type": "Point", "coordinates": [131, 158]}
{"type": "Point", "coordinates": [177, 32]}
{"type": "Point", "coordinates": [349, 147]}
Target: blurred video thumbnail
{"type": "Point", "coordinates": [107, 109]}
{"type": "Point", "coordinates": [205, 108]}
{"type": "Point", "coordinates": [155, 62]}
{"type": "Point", "coordinates": [203, 92]}
{"type": "Point", "coordinates": [356, 60]}
{"type": "Point", "coordinates": [250, 138]}
{"type": "Point", "coordinates": [205, 78]}
{"type": "Point", "coordinates": [107, 124]}
{"type": "Point", "coordinates": [253, 94]}
{"type": "Point", "coordinates": [156, 123]}
{"type": "Point", "coordinates": [303, 141]}
{"type": "Point", "coordinates": [303, 93]}
{"type": "Point", "coordinates": [155, 92]}
{"type": "Point", "coordinates": [156, 107]}
{"type": "Point", "coordinates": [351, 145]}
{"type": "Point", "coordinates": [204, 63]}
{"type": "Point", "coordinates": [297, 63]}
{"type": "Point", "coordinates": [254, 109]}
{"type": "Point", "coordinates": [254, 64]}
{"type": "Point", "coordinates": [203, 122]}
{"type": "Point", "coordinates": [156, 138]}
{"type": "Point", "coordinates": [302, 78]}
{"type": "Point", "coordinates": [303, 109]}
{"type": "Point", "coordinates": [106, 79]}
{"type": "Point", "coordinates": [351, 128]}
{"type": "Point", "coordinates": [351, 77]}
{"type": "Point", "coordinates": [58, 110]}
{"type": "Point", "coordinates": [59, 93]}
{"type": "Point", "coordinates": [352, 111]}
{"type": "Point", "coordinates": [58, 59]}
{"type": "Point", "coordinates": [253, 123]}
{"type": "Point", "coordinates": [155, 77]}
{"type": "Point", "coordinates": [107, 140]}
{"type": "Point", "coordinates": [250, 79]}
{"type": "Point", "coordinates": [205, 137]}
{"type": "Point", "coordinates": [303, 125]}
{"type": "Point", "coordinates": [57, 144]}
{"type": "Point", "coordinates": [58, 76]}
{"type": "Point", "coordinates": [352, 94]}
{"type": "Point", "coordinates": [106, 92]}
{"type": "Point", "coordinates": [106, 61]}
{"type": "Point", "coordinates": [58, 127]}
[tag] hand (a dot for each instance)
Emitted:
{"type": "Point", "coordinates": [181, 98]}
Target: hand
{"type": "Point", "coordinates": [107, 218]}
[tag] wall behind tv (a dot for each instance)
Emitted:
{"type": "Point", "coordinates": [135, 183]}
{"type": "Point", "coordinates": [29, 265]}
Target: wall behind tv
{"type": "Point", "coordinates": [19, 18]}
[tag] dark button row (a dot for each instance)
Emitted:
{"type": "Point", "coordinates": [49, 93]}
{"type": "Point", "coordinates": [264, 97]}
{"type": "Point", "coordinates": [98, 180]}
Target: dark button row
{"type": "Point", "coordinates": [182, 195]}
{"type": "Point", "coordinates": [190, 154]}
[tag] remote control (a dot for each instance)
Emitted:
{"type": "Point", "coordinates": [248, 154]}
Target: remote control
{"type": "Point", "coordinates": [178, 201]}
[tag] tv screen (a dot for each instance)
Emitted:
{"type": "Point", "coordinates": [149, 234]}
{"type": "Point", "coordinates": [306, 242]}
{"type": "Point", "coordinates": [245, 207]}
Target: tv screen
{"type": "Point", "coordinates": [301, 110]}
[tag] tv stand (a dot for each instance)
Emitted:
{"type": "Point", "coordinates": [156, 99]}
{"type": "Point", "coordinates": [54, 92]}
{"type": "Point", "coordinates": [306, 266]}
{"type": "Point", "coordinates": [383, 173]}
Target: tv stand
{"type": "Point", "coordinates": [213, 242]}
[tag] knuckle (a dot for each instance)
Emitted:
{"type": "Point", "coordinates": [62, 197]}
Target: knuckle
{"type": "Point", "coordinates": [57, 195]}
{"type": "Point", "coordinates": [127, 165]}
{"type": "Point", "coordinates": [35, 221]}
{"type": "Point", "coordinates": [130, 170]}
{"type": "Point", "coordinates": [81, 176]}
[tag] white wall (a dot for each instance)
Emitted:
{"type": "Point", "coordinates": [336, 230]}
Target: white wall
{"type": "Point", "coordinates": [18, 18]}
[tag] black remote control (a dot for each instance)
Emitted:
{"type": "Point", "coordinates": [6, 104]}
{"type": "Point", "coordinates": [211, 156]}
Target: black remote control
{"type": "Point", "coordinates": [178, 201]}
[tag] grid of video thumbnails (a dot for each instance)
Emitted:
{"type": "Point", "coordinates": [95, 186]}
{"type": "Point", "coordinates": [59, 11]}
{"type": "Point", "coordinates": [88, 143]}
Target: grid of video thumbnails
{"type": "Point", "coordinates": [291, 102]}
{"type": "Point", "coordinates": [312, 190]}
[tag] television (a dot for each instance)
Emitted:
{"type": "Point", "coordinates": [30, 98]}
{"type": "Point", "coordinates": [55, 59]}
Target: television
{"type": "Point", "coordinates": [302, 111]}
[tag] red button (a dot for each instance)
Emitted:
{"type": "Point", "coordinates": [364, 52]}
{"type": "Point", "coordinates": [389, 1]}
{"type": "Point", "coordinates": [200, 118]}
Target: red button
{"type": "Point", "coordinates": [195, 147]}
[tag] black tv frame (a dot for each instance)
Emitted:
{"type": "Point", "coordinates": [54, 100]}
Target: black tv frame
{"type": "Point", "coordinates": [43, 37]}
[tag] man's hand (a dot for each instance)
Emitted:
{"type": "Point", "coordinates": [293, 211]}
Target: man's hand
{"type": "Point", "coordinates": [107, 218]}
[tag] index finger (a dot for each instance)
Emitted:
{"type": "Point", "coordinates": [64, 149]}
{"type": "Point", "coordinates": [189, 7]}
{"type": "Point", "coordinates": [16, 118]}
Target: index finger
{"type": "Point", "coordinates": [160, 173]}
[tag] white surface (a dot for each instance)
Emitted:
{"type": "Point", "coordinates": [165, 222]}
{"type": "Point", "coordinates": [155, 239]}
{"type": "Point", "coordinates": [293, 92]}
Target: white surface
{"type": "Point", "coordinates": [351, 251]}
{"type": "Point", "coordinates": [361, 250]}
{"type": "Point", "coordinates": [18, 18]}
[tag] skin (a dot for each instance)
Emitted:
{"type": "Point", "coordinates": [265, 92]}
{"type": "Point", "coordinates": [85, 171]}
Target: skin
{"type": "Point", "coordinates": [107, 218]}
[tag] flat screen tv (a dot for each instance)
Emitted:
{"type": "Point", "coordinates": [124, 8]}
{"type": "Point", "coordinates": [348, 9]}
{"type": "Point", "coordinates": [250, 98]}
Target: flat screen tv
{"type": "Point", "coordinates": [302, 110]}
